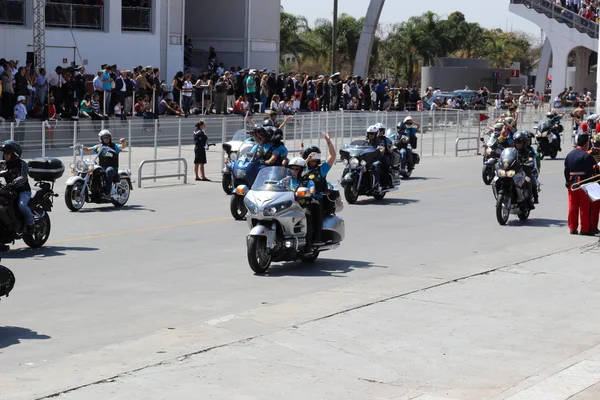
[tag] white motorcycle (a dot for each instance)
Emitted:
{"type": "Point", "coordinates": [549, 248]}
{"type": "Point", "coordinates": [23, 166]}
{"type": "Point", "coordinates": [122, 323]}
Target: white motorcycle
{"type": "Point", "coordinates": [278, 221]}
{"type": "Point", "coordinates": [88, 182]}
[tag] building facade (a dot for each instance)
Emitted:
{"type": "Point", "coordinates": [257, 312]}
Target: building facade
{"type": "Point", "coordinates": [143, 32]}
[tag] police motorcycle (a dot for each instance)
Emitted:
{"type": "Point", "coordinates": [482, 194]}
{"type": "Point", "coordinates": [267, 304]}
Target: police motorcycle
{"type": "Point", "coordinates": [233, 149]}
{"type": "Point", "coordinates": [512, 188]}
{"type": "Point", "coordinates": [89, 181]}
{"type": "Point", "coordinates": [546, 137]}
{"type": "Point", "coordinates": [403, 142]}
{"type": "Point", "coordinates": [44, 171]}
{"type": "Point", "coordinates": [277, 221]}
{"type": "Point", "coordinates": [7, 281]}
{"type": "Point", "coordinates": [358, 177]}
{"type": "Point", "coordinates": [492, 150]}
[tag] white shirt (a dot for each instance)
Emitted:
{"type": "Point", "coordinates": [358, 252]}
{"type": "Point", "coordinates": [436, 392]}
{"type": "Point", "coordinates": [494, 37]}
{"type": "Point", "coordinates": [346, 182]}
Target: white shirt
{"type": "Point", "coordinates": [187, 85]}
{"type": "Point", "coordinates": [124, 88]}
{"type": "Point", "coordinates": [437, 91]}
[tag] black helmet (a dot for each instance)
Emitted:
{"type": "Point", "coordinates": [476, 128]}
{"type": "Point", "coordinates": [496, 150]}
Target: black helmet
{"type": "Point", "coordinates": [530, 134]}
{"type": "Point", "coordinates": [268, 122]}
{"type": "Point", "coordinates": [310, 149]}
{"type": "Point", "coordinates": [10, 146]}
{"type": "Point", "coordinates": [259, 129]}
{"type": "Point", "coordinates": [582, 139]}
{"type": "Point", "coordinates": [520, 136]}
{"type": "Point", "coordinates": [276, 134]}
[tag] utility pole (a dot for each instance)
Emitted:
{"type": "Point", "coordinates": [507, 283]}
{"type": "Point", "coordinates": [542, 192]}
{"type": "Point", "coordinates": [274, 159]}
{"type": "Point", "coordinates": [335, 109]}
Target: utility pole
{"type": "Point", "coordinates": [39, 34]}
{"type": "Point", "coordinates": [334, 38]}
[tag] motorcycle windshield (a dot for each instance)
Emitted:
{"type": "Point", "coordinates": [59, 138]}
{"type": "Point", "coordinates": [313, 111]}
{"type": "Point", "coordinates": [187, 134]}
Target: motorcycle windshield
{"type": "Point", "coordinates": [508, 157]}
{"type": "Point", "coordinates": [246, 151]}
{"type": "Point", "coordinates": [240, 136]}
{"type": "Point", "coordinates": [493, 140]}
{"type": "Point", "coordinates": [273, 179]}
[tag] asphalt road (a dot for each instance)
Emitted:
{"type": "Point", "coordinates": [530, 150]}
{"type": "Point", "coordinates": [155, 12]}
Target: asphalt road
{"type": "Point", "coordinates": [118, 290]}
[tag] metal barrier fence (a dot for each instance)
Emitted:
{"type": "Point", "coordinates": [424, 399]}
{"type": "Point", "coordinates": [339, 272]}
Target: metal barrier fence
{"type": "Point", "coordinates": [438, 134]}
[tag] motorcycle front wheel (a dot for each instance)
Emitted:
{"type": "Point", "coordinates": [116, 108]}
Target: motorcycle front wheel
{"type": "Point", "coordinates": [502, 212]}
{"type": "Point", "coordinates": [41, 232]}
{"type": "Point", "coordinates": [227, 183]}
{"type": "Point", "coordinates": [350, 194]}
{"type": "Point", "coordinates": [310, 258]}
{"type": "Point", "coordinates": [487, 173]}
{"type": "Point", "coordinates": [523, 216]}
{"type": "Point", "coordinates": [237, 207]}
{"type": "Point", "coordinates": [258, 257]}
{"type": "Point", "coordinates": [74, 198]}
{"type": "Point", "coordinates": [378, 196]}
{"type": "Point", "coordinates": [123, 193]}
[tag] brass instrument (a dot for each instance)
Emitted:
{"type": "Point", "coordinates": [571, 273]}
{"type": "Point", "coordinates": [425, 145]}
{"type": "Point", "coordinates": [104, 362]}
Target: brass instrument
{"type": "Point", "coordinates": [585, 182]}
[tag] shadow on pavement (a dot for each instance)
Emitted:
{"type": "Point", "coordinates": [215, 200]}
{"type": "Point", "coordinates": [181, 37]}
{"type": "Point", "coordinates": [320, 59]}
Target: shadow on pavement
{"type": "Point", "coordinates": [47, 251]}
{"type": "Point", "coordinates": [538, 222]}
{"type": "Point", "coordinates": [387, 201]}
{"type": "Point", "coordinates": [321, 267]}
{"type": "Point", "coordinates": [420, 178]}
{"type": "Point", "coordinates": [110, 208]}
{"type": "Point", "coordinates": [11, 335]}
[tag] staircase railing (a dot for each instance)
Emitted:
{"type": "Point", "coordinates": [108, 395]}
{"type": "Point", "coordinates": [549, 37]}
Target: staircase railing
{"type": "Point", "coordinates": [562, 15]}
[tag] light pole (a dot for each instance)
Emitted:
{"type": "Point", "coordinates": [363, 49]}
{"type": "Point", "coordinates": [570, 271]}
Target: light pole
{"type": "Point", "coordinates": [334, 38]}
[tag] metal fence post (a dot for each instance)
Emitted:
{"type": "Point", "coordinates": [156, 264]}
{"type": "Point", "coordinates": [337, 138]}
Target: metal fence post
{"type": "Point", "coordinates": [74, 140]}
{"type": "Point", "coordinates": [102, 125]}
{"type": "Point", "coordinates": [433, 133]}
{"type": "Point", "coordinates": [129, 144]}
{"type": "Point", "coordinates": [342, 130]}
{"type": "Point", "coordinates": [155, 145]}
{"type": "Point", "coordinates": [179, 146]}
{"type": "Point", "coordinates": [224, 135]}
{"type": "Point", "coordinates": [351, 127]}
{"type": "Point", "coordinates": [12, 131]}
{"type": "Point", "coordinates": [43, 140]}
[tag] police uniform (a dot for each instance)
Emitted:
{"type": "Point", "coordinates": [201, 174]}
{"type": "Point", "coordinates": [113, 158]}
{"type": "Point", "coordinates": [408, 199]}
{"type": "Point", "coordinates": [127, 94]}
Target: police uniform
{"type": "Point", "coordinates": [579, 165]}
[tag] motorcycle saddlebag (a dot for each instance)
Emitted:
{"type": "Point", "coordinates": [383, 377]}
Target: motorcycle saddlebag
{"type": "Point", "coordinates": [46, 169]}
{"type": "Point", "coordinates": [7, 281]}
{"type": "Point", "coordinates": [416, 158]}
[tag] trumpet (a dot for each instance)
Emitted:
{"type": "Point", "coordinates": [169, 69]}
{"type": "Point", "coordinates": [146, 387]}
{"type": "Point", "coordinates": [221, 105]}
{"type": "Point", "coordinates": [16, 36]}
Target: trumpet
{"type": "Point", "coordinates": [585, 182]}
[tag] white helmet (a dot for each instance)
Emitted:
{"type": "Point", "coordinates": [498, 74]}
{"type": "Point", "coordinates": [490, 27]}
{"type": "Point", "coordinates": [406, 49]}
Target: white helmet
{"type": "Point", "coordinates": [21, 98]}
{"type": "Point", "coordinates": [104, 132]}
{"type": "Point", "coordinates": [407, 119]}
{"type": "Point", "coordinates": [297, 162]}
{"type": "Point", "coordinates": [372, 129]}
{"type": "Point", "coordinates": [379, 126]}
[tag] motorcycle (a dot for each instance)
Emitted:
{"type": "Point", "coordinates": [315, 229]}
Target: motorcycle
{"type": "Point", "coordinates": [244, 170]}
{"type": "Point", "coordinates": [278, 226]}
{"type": "Point", "coordinates": [232, 149]}
{"type": "Point", "coordinates": [44, 171]}
{"type": "Point", "coordinates": [89, 181]}
{"type": "Point", "coordinates": [492, 151]}
{"type": "Point", "coordinates": [512, 188]}
{"type": "Point", "coordinates": [414, 158]}
{"type": "Point", "coordinates": [545, 135]}
{"type": "Point", "coordinates": [358, 176]}
{"type": "Point", "coordinates": [7, 281]}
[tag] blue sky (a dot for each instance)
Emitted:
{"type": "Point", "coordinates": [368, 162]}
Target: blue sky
{"type": "Point", "coordinates": [494, 14]}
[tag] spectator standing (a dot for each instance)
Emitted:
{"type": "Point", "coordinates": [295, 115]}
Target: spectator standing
{"type": "Point", "coordinates": [251, 88]}
{"type": "Point", "coordinates": [8, 93]}
{"type": "Point", "coordinates": [187, 90]}
{"type": "Point", "coordinates": [264, 92]}
{"type": "Point", "coordinates": [221, 101]}
{"type": "Point", "coordinates": [41, 86]}
{"type": "Point", "coordinates": [177, 86]}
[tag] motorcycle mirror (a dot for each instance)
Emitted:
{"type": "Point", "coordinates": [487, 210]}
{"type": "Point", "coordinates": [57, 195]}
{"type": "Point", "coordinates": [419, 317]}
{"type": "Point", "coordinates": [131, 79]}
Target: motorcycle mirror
{"type": "Point", "coordinates": [482, 140]}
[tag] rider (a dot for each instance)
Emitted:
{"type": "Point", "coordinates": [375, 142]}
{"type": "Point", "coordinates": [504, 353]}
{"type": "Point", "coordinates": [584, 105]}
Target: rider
{"type": "Point", "coordinates": [373, 140]}
{"type": "Point", "coordinates": [297, 165]}
{"type": "Point", "coordinates": [108, 157]}
{"type": "Point", "coordinates": [387, 151]}
{"type": "Point", "coordinates": [272, 151]}
{"type": "Point", "coordinates": [406, 130]}
{"type": "Point", "coordinates": [271, 119]}
{"type": "Point", "coordinates": [527, 160]}
{"type": "Point", "coordinates": [317, 173]}
{"type": "Point", "coordinates": [17, 179]}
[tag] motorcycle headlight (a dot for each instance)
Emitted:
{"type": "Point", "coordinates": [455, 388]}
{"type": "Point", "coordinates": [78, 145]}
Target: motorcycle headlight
{"type": "Point", "coordinates": [345, 162]}
{"type": "Point", "coordinates": [81, 167]}
{"type": "Point", "coordinates": [488, 151]}
{"type": "Point", "coordinates": [240, 173]}
{"type": "Point", "coordinates": [510, 174]}
{"type": "Point", "coordinates": [363, 163]}
{"type": "Point", "coordinates": [252, 208]}
{"type": "Point", "coordinates": [501, 173]}
{"type": "Point", "coordinates": [275, 208]}
{"type": "Point", "coordinates": [354, 162]}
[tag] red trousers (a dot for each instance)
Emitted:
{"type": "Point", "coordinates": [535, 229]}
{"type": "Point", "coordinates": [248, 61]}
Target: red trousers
{"type": "Point", "coordinates": [580, 207]}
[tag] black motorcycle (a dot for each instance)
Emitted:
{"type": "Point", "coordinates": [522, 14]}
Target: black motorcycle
{"type": "Point", "coordinates": [512, 188]}
{"type": "Point", "coordinates": [7, 281]}
{"type": "Point", "coordinates": [491, 153]}
{"type": "Point", "coordinates": [547, 138]}
{"type": "Point", "coordinates": [358, 177]}
{"type": "Point", "coordinates": [45, 171]}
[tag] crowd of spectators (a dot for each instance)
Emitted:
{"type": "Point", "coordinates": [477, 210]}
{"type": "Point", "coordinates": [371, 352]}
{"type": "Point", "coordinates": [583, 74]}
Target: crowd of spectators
{"type": "Point", "coordinates": [587, 9]}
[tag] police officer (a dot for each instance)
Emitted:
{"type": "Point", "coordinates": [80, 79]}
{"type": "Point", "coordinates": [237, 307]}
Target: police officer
{"type": "Point", "coordinates": [386, 147]}
{"type": "Point", "coordinates": [406, 140]}
{"type": "Point", "coordinates": [527, 160]}
{"type": "Point", "coordinates": [317, 172]}
{"type": "Point", "coordinates": [108, 157]}
{"type": "Point", "coordinates": [17, 179]}
{"type": "Point", "coordinates": [579, 165]}
{"type": "Point", "coordinates": [372, 140]}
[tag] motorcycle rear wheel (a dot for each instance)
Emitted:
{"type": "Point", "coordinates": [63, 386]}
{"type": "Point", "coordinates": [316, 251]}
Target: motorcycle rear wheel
{"type": "Point", "coordinates": [123, 192]}
{"type": "Point", "coordinates": [523, 216]}
{"type": "Point", "coordinates": [41, 233]}
{"type": "Point", "coordinates": [502, 213]}
{"type": "Point", "coordinates": [258, 258]}
{"type": "Point", "coordinates": [237, 207]}
{"type": "Point", "coordinates": [310, 258]}
{"type": "Point", "coordinates": [378, 196]}
{"type": "Point", "coordinates": [553, 153]}
{"type": "Point", "coordinates": [487, 173]}
{"type": "Point", "coordinates": [350, 195]}
{"type": "Point", "coordinates": [70, 192]}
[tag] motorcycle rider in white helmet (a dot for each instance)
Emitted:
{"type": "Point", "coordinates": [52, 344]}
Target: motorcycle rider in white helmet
{"type": "Point", "coordinates": [108, 157]}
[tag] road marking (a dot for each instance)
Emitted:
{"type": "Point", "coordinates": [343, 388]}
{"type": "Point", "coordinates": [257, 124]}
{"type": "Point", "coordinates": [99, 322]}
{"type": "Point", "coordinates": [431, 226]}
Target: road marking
{"type": "Point", "coordinates": [563, 385]}
{"type": "Point", "coordinates": [220, 320]}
